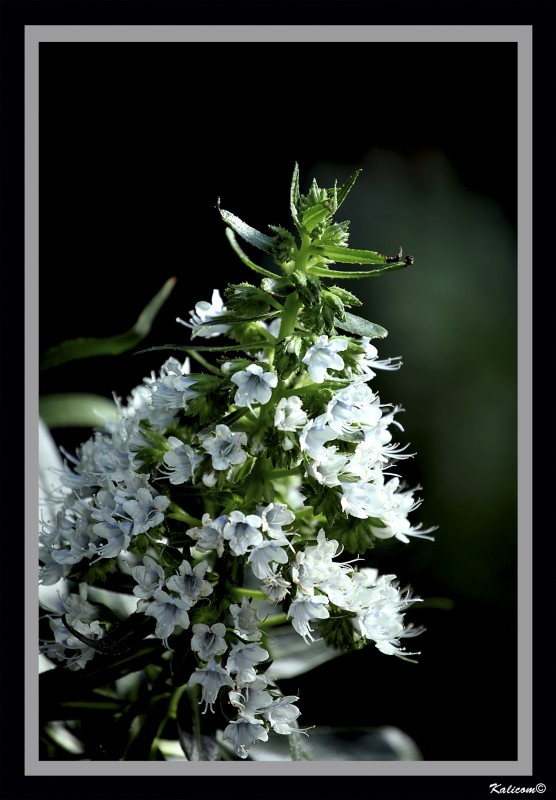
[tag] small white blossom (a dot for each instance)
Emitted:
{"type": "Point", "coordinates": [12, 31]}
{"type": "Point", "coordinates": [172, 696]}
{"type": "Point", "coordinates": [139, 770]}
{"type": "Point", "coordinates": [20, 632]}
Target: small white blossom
{"type": "Point", "coordinates": [212, 677]}
{"type": "Point", "coordinates": [305, 608]}
{"type": "Point", "coordinates": [149, 576]}
{"type": "Point", "coordinates": [254, 385]}
{"type": "Point", "coordinates": [315, 435]}
{"type": "Point", "coordinates": [282, 714]}
{"type": "Point", "coordinates": [289, 414]}
{"type": "Point", "coordinates": [264, 554]}
{"type": "Point", "coordinates": [368, 360]}
{"type": "Point", "coordinates": [242, 660]}
{"type": "Point", "coordinates": [274, 517]}
{"type": "Point", "coordinates": [190, 583]}
{"type": "Point", "coordinates": [145, 510]}
{"type": "Point", "coordinates": [243, 532]}
{"type": "Point", "coordinates": [246, 620]}
{"type": "Point", "coordinates": [168, 611]}
{"type": "Point", "coordinates": [225, 447]}
{"type": "Point", "coordinates": [205, 312]}
{"type": "Point", "coordinates": [209, 536]}
{"type": "Point", "coordinates": [323, 355]}
{"type": "Point", "coordinates": [326, 468]}
{"type": "Point", "coordinates": [313, 565]}
{"type": "Point", "coordinates": [207, 641]}
{"type": "Point", "coordinates": [181, 460]}
{"type": "Point", "coordinates": [251, 699]}
{"type": "Point", "coordinates": [275, 587]}
{"type": "Point", "coordinates": [243, 734]}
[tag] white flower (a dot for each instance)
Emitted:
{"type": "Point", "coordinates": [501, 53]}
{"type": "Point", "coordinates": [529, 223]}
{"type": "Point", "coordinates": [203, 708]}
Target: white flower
{"type": "Point", "coordinates": [251, 699]}
{"type": "Point", "coordinates": [243, 532]}
{"type": "Point", "coordinates": [212, 677]}
{"type": "Point", "coordinates": [262, 555]}
{"type": "Point", "coordinates": [209, 537]}
{"type": "Point", "coordinates": [364, 499]}
{"type": "Point", "coordinates": [168, 611]}
{"type": "Point", "coordinates": [242, 734]}
{"type": "Point", "coordinates": [149, 577]}
{"type": "Point", "coordinates": [209, 642]}
{"type": "Point", "coordinates": [323, 355]}
{"type": "Point", "coordinates": [246, 620]}
{"type": "Point", "coordinates": [172, 391]}
{"type": "Point", "coordinates": [181, 460]}
{"type": "Point", "coordinates": [205, 312]}
{"type": "Point", "coordinates": [242, 659]}
{"type": "Point", "coordinates": [326, 467]}
{"type": "Point", "coordinates": [274, 517]}
{"type": "Point", "coordinates": [314, 564]}
{"type": "Point", "coordinates": [379, 617]}
{"type": "Point", "coordinates": [146, 510]}
{"type": "Point", "coordinates": [289, 414]}
{"type": "Point", "coordinates": [305, 608]}
{"type": "Point", "coordinates": [315, 435]}
{"type": "Point", "coordinates": [352, 407]}
{"type": "Point", "coordinates": [275, 587]}
{"type": "Point", "coordinates": [282, 714]}
{"type": "Point", "coordinates": [225, 447]}
{"type": "Point", "coordinates": [367, 361]}
{"type": "Point", "coordinates": [254, 385]}
{"type": "Point", "coordinates": [190, 583]}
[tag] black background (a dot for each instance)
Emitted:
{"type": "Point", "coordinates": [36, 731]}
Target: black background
{"type": "Point", "coordinates": [119, 183]}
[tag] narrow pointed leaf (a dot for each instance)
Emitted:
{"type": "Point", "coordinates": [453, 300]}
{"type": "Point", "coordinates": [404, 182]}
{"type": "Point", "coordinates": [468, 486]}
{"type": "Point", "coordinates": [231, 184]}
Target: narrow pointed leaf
{"type": "Point", "coordinates": [251, 235]}
{"type": "Point", "coordinates": [361, 327]}
{"type": "Point", "coordinates": [112, 345]}
{"type": "Point", "coordinates": [294, 194]}
{"type": "Point", "coordinates": [247, 261]}
{"type": "Point", "coordinates": [343, 192]}
{"type": "Point", "coordinates": [314, 215]}
{"type": "Point", "coordinates": [76, 410]}
{"type": "Point", "coordinates": [344, 255]}
{"type": "Point", "coordinates": [324, 272]}
{"type": "Point", "coordinates": [207, 349]}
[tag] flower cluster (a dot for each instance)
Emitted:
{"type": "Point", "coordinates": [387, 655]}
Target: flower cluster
{"type": "Point", "coordinates": [223, 499]}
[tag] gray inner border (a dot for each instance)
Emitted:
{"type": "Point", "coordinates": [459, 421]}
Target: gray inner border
{"type": "Point", "coordinates": [522, 35]}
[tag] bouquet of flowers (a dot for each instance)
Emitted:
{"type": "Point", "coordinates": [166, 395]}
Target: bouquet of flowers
{"type": "Point", "coordinates": [227, 507]}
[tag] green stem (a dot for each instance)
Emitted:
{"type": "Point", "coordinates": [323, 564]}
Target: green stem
{"type": "Point", "coordinates": [293, 303]}
{"type": "Point", "coordinates": [207, 365]}
{"type": "Point", "coordinates": [181, 515]}
{"type": "Point", "coordinates": [289, 317]}
{"type": "Point", "coordinates": [242, 592]}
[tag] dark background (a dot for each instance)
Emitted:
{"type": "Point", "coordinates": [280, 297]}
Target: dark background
{"type": "Point", "coordinates": [136, 144]}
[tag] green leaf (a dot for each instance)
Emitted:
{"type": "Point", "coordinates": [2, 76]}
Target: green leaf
{"type": "Point", "coordinates": [344, 255]}
{"type": "Point", "coordinates": [76, 410]}
{"type": "Point", "coordinates": [279, 286]}
{"type": "Point", "coordinates": [207, 349]}
{"type": "Point", "coordinates": [344, 191]}
{"type": "Point", "coordinates": [112, 345]}
{"type": "Point", "coordinates": [294, 194]}
{"type": "Point", "coordinates": [361, 327]}
{"type": "Point", "coordinates": [251, 235]}
{"type": "Point", "coordinates": [247, 261]}
{"type": "Point", "coordinates": [324, 272]}
{"type": "Point", "coordinates": [231, 319]}
{"type": "Point", "coordinates": [314, 215]}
